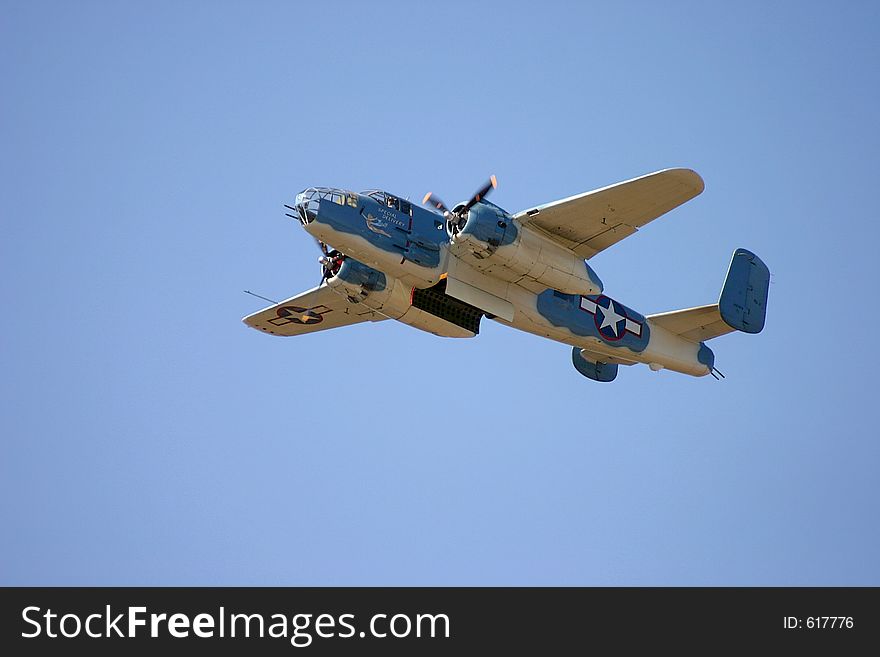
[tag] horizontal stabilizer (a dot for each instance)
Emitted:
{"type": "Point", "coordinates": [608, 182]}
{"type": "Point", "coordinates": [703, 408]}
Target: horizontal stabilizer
{"type": "Point", "coordinates": [694, 324]}
{"type": "Point", "coordinates": [742, 306]}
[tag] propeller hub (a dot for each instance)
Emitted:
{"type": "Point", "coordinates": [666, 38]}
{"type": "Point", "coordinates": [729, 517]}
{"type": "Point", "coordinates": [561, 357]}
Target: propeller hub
{"type": "Point", "coordinates": [458, 216]}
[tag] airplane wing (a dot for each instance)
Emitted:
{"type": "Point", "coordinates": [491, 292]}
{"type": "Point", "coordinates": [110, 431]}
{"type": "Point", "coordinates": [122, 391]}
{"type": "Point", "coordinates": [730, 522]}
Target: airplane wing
{"type": "Point", "coordinates": [309, 312]}
{"type": "Point", "coordinates": [591, 222]}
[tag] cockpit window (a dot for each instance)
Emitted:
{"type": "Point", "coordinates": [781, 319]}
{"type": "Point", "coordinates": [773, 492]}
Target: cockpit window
{"type": "Point", "coordinates": [338, 196]}
{"type": "Point", "coordinates": [389, 201]}
{"type": "Point", "coordinates": [377, 195]}
{"type": "Point", "coordinates": [352, 199]}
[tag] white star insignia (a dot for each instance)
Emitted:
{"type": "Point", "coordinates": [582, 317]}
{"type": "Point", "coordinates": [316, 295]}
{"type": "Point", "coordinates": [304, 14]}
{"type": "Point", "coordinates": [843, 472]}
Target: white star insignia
{"type": "Point", "coordinates": [610, 317]}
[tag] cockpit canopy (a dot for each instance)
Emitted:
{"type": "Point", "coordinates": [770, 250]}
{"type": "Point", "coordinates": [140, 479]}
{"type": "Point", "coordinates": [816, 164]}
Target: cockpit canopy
{"type": "Point", "coordinates": [338, 196]}
{"type": "Point", "coordinates": [307, 201]}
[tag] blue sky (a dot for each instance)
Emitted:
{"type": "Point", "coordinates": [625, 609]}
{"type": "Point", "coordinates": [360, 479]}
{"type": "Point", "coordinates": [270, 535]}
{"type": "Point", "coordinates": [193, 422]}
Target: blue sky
{"type": "Point", "coordinates": [148, 437]}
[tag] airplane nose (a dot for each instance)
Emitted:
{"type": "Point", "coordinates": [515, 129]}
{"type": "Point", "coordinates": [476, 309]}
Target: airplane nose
{"type": "Point", "coordinates": [306, 205]}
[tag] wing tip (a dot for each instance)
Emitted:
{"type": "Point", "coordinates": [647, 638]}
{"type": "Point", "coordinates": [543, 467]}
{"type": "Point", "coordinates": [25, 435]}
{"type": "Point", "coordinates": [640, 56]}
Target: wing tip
{"type": "Point", "coordinates": [688, 177]}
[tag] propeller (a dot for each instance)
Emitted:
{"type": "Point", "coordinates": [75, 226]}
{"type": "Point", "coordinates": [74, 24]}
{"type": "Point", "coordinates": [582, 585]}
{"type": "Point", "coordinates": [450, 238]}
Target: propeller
{"type": "Point", "coordinates": [455, 217]}
{"type": "Point", "coordinates": [325, 252]}
{"type": "Point", "coordinates": [324, 260]}
{"type": "Point", "coordinates": [331, 261]}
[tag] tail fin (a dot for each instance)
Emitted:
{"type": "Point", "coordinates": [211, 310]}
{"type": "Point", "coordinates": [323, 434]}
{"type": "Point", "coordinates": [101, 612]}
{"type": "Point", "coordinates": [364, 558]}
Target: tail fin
{"type": "Point", "coordinates": [742, 306]}
{"type": "Point", "coordinates": [743, 302]}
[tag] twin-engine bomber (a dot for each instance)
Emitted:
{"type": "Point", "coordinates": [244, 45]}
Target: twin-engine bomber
{"type": "Point", "coordinates": [443, 271]}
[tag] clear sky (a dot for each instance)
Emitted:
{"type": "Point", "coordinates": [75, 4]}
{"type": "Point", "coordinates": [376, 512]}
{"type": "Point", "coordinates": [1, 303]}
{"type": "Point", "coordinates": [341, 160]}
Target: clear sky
{"type": "Point", "coordinates": [149, 437]}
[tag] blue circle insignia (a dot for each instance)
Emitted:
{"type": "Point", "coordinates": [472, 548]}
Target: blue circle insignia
{"type": "Point", "coordinates": [610, 319]}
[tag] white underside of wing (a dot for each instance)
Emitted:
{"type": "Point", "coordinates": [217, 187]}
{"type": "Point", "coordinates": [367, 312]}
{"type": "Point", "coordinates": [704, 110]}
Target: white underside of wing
{"type": "Point", "coordinates": [315, 310]}
{"type": "Point", "coordinates": [591, 222]}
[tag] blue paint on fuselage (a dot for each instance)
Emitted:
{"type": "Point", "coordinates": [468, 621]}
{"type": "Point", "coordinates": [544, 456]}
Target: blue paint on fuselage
{"type": "Point", "coordinates": [428, 228]}
{"type": "Point", "coordinates": [569, 311]}
{"type": "Point", "coordinates": [363, 221]}
{"type": "Point", "coordinates": [413, 234]}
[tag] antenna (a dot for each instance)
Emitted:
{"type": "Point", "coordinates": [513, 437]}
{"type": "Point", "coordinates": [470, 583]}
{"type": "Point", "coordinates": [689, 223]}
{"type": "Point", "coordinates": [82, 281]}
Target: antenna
{"type": "Point", "coordinates": [260, 296]}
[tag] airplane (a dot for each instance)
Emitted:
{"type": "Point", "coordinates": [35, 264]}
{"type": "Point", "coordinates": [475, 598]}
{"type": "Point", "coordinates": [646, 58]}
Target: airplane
{"type": "Point", "coordinates": [443, 271]}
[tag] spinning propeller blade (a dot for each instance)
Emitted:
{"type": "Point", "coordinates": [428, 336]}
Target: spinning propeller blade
{"type": "Point", "coordinates": [461, 211]}
{"type": "Point", "coordinates": [324, 260]}
{"type": "Point", "coordinates": [481, 193]}
{"type": "Point", "coordinates": [436, 202]}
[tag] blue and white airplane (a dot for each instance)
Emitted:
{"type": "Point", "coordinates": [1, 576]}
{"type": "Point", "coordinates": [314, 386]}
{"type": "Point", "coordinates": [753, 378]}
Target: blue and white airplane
{"type": "Point", "coordinates": [442, 272]}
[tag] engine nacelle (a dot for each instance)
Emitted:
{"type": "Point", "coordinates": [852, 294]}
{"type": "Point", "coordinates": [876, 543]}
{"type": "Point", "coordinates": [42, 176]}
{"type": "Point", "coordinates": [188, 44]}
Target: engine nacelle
{"type": "Point", "coordinates": [492, 241]}
{"type": "Point", "coordinates": [437, 313]}
{"type": "Point", "coordinates": [358, 282]}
